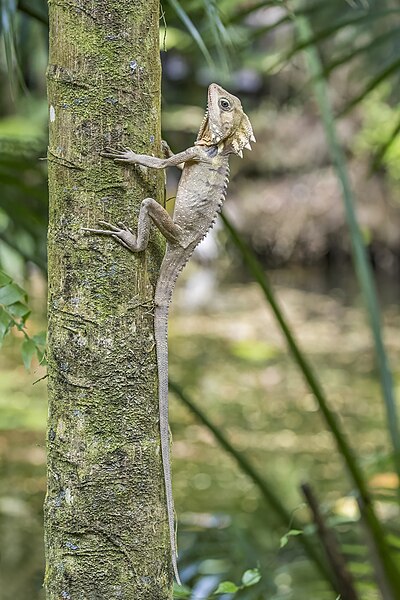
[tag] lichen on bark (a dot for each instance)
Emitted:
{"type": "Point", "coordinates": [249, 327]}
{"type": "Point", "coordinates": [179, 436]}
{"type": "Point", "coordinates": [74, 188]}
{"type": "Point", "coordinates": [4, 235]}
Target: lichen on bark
{"type": "Point", "coordinates": [105, 516]}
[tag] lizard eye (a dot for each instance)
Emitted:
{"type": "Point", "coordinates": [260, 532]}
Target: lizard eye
{"type": "Point", "coordinates": [224, 104]}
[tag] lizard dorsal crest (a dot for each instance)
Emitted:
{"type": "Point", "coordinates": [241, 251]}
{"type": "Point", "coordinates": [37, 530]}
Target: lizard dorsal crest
{"type": "Point", "coordinates": [225, 124]}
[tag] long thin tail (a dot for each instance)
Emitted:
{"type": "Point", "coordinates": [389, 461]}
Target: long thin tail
{"type": "Point", "coordinates": [161, 336]}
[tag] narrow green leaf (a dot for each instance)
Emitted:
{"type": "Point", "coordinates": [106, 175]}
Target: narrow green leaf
{"type": "Point", "coordinates": [391, 69]}
{"type": "Point", "coordinates": [392, 34]}
{"type": "Point", "coordinates": [316, 7]}
{"type": "Point", "coordinates": [28, 351]}
{"type": "Point", "coordinates": [221, 36]}
{"type": "Point", "coordinates": [251, 577]}
{"type": "Point", "coordinates": [40, 339]}
{"type": "Point", "coordinates": [182, 14]}
{"type": "Point", "coordinates": [226, 587]}
{"type": "Point", "coordinates": [8, 10]}
{"type": "Point", "coordinates": [5, 323]}
{"type": "Point", "coordinates": [181, 591]}
{"type": "Point", "coordinates": [4, 279]}
{"type": "Point", "coordinates": [11, 293]}
{"type": "Point", "coordinates": [323, 34]}
{"type": "Point", "coordinates": [19, 310]}
{"type": "Point", "coordinates": [384, 148]}
{"type": "Point", "coordinates": [285, 538]}
{"type": "Point", "coordinates": [37, 10]}
{"type": "Point", "coordinates": [283, 541]}
{"type": "Point", "coordinates": [394, 540]}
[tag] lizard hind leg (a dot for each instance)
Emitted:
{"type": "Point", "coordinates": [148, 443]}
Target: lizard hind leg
{"type": "Point", "coordinates": [150, 211]}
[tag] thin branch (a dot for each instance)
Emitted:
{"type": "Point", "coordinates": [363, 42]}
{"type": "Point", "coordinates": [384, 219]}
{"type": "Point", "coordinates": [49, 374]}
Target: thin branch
{"type": "Point", "coordinates": [331, 546]}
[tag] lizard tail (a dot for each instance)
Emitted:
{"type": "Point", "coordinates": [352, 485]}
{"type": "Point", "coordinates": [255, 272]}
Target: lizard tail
{"type": "Point", "coordinates": [161, 336]}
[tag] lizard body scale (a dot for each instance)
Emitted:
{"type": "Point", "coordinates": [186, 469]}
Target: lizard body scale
{"type": "Point", "coordinates": [201, 192]}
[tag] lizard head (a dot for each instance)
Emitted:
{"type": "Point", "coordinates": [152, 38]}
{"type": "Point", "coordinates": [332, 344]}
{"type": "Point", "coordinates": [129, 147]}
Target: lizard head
{"type": "Point", "coordinates": [225, 124]}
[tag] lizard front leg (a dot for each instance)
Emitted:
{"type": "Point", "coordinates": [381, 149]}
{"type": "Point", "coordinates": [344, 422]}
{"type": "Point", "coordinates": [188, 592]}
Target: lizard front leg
{"type": "Point", "coordinates": [150, 210]}
{"type": "Point", "coordinates": [127, 156]}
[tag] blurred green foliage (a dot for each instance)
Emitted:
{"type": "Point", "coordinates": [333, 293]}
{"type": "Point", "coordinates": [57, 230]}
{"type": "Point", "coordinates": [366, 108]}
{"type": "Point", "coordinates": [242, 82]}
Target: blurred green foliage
{"type": "Point", "coordinates": [379, 134]}
{"type": "Point", "coordinates": [14, 312]}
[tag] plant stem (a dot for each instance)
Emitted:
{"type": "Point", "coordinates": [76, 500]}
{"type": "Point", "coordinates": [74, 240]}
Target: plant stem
{"type": "Point", "coordinates": [361, 263]}
{"type": "Point", "coordinates": [269, 495]}
{"type": "Point", "coordinates": [344, 448]}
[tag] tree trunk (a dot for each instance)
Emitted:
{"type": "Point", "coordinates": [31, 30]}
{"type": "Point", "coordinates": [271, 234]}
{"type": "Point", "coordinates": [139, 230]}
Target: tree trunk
{"type": "Point", "coordinates": [105, 516]}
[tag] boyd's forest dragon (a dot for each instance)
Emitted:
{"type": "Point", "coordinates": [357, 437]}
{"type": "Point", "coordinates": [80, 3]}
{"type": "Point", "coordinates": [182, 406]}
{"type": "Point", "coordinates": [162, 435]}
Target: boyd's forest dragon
{"type": "Point", "coordinates": [225, 130]}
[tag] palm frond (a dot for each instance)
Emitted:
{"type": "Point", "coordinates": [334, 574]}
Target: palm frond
{"type": "Point", "coordinates": [220, 34]}
{"type": "Point", "coordinates": [390, 69]}
{"type": "Point", "coordinates": [361, 263]}
{"type": "Point", "coordinates": [8, 11]}
{"type": "Point", "coordinates": [325, 33]}
{"type": "Point", "coordinates": [194, 32]}
{"type": "Point", "coordinates": [366, 48]}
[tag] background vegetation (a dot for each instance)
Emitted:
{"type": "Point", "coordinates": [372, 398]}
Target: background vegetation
{"type": "Point", "coordinates": [265, 400]}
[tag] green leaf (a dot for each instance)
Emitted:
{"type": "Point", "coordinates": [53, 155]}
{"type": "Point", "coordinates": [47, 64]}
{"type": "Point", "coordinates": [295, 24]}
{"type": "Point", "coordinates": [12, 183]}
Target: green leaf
{"type": "Point", "coordinates": [5, 323]}
{"type": "Point", "coordinates": [4, 279]}
{"type": "Point", "coordinates": [40, 338]}
{"type": "Point", "coordinates": [28, 351]}
{"type": "Point", "coordinates": [283, 541]}
{"type": "Point", "coordinates": [226, 587]}
{"type": "Point", "coordinates": [11, 293]}
{"type": "Point", "coordinates": [182, 14]}
{"type": "Point", "coordinates": [181, 591]}
{"type": "Point", "coordinates": [255, 351]}
{"type": "Point", "coordinates": [380, 154]}
{"type": "Point", "coordinates": [19, 310]}
{"type": "Point", "coordinates": [251, 577]}
{"type": "Point", "coordinates": [40, 341]}
{"type": "Point", "coordinates": [285, 538]}
{"type": "Point", "coordinates": [220, 34]}
{"type": "Point", "coordinates": [367, 47]}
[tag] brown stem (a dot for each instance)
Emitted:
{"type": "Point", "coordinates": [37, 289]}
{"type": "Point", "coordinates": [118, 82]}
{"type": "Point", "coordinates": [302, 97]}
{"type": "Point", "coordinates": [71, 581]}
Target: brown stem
{"type": "Point", "coordinates": [344, 580]}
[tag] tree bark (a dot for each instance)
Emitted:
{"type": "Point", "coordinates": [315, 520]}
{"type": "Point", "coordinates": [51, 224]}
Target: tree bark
{"type": "Point", "coordinates": [105, 517]}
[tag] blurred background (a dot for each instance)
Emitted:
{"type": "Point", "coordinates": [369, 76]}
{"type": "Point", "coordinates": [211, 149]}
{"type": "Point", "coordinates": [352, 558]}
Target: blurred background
{"type": "Point", "coordinates": [312, 220]}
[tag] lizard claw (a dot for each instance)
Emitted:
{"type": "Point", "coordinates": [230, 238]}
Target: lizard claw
{"type": "Point", "coordinates": [112, 227]}
{"type": "Point", "coordinates": [123, 226]}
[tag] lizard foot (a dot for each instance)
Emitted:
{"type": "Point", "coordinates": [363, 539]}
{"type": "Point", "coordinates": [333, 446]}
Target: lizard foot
{"type": "Point", "coordinates": [123, 155]}
{"type": "Point", "coordinates": [123, 234]}
{"type": "Point", "coordinates": [165, 149]}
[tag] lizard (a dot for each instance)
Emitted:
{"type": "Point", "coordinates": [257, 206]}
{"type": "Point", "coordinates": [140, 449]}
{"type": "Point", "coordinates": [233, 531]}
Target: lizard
{"type": "Point", "coordinates": [201, 191]}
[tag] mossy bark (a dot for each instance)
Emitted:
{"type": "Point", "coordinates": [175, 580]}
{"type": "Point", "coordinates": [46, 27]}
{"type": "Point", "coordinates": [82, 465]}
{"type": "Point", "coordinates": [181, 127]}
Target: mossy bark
{"type": "Point", "coordinates": [105, 516]}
